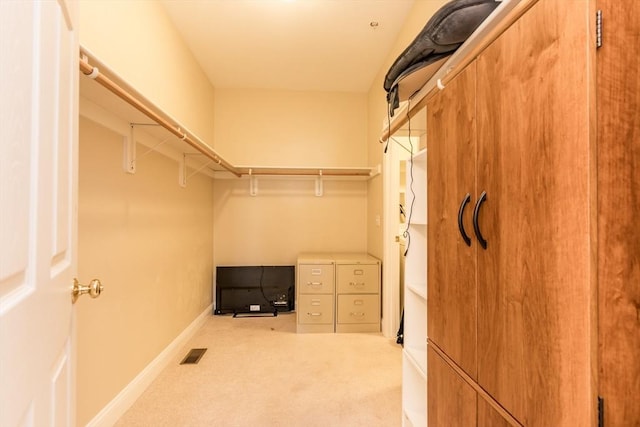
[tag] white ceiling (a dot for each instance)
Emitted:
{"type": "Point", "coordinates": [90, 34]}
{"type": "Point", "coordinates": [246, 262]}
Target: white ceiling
{"type": "Point", "coordinates": [324, 45]}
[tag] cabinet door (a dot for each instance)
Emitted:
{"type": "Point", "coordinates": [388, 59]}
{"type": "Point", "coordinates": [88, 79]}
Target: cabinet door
{"type": "Point", "coordinates": [452, 402]}
{"type": "Point", "coordinates": [451, 157]}
{"type": "Point", "coordinates": [534, 278]}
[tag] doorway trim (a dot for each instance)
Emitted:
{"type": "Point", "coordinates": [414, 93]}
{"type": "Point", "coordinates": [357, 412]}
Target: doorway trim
{"type": "Point", "coordinates": [390, 247]}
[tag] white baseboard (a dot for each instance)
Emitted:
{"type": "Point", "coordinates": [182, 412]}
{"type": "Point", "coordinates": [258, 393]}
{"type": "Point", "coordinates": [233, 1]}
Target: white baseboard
{"type": "Point", "coordinates": [111, 413]}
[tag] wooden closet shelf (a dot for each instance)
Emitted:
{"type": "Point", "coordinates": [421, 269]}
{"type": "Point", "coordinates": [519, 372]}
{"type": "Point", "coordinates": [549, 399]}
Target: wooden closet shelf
{"type": "Point", "coordinates": [93, 68]}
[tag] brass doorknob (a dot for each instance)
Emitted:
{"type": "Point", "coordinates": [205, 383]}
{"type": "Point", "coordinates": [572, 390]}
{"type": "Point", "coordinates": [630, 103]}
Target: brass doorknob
{"type": "Point", "coordinates": [94, 289]}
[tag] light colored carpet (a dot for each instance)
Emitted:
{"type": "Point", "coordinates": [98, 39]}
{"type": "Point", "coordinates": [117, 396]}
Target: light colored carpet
{"type": "Point", "coordinates": [258, 372]}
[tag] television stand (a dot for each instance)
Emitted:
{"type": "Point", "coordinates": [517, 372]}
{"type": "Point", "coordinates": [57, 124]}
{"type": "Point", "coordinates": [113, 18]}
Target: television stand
{"type": "Point", "coordinates": [273, 313]}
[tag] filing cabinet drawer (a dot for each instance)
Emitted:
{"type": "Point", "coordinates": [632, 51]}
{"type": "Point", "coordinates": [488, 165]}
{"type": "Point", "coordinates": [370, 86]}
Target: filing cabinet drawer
{"type": "Point", "coordinates": [358, 278]}
{"type": "Point", "coordinates": [315, 279]}
{"type": "Point", "coordinates": [358, 309]}
{"type": "Point", "coordinates": [315, 309]}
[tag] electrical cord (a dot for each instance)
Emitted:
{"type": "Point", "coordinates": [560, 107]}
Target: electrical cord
{"type": "Point", "coordinates": [407, 234]}
{"type": "Point", "coordinates": [386, 146]}
{"type": "Point", "coordinates": [262, 286]}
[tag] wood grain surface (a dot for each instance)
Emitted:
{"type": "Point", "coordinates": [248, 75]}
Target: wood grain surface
{"type": "Point", "coordinates": [452, 402]}
{"type": "Point", "coordinates": [618, 83]}
{"type": "Point", "coordinates": [534, 279]}
{"type": "Point", "coordinates": [451, 270]}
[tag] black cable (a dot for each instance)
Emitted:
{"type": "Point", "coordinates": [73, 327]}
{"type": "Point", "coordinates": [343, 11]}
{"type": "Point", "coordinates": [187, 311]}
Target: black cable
{"type": "Point", "coordinates": [386, 147]}
{"type": "Point", "coordinates": [262, 286]}
{"type": "Point", "coordinates": [406, 234]}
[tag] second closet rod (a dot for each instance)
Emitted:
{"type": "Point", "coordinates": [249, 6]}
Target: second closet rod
{"type": "Point", "coordinates": [183, 135]}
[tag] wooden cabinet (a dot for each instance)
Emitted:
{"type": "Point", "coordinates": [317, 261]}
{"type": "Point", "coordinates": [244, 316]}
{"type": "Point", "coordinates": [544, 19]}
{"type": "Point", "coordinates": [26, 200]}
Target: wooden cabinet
{"type": "Point", "coordinates": [512, 130]}
{"type": "Point", "coordinates": [338, 293]}
{"type": "Point", "coordinates": [535, 277]}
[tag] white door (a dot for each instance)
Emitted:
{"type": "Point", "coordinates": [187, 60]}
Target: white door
{"type": "Point", "coordinates": [38, 192]}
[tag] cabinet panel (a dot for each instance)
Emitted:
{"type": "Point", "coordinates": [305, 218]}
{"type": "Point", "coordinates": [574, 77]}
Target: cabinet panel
{"type": "Point", "coordinates": [357, 278]}
{"type": "Point", "coordinates": [452, 402]}
{"type": "Point", "coordinates": [618, 93]}
{"type": "Point", "coordinates": [489, 417]}
{"type": "Point", "coordinates": [451, 157]}
{"type": "Point", "coordinates": [533, 161]}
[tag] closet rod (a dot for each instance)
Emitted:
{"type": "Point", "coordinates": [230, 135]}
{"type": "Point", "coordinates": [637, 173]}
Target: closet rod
{"type": "Point", "coordinates": [94, 73]}
{"type": "Point", "coordinates": [326, 172]}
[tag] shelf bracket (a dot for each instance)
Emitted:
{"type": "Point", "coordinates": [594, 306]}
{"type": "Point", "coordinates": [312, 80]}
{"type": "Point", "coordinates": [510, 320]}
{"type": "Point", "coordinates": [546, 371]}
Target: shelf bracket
{"type": "Point", "coordinates": [130, 157]}
{"type": "Point", "coordinates": [129, 152]}
{"type": "Point", "coordinates": [319, 185]}
{"type": "Point", "coordinates": [253, 183]}
{"type": "Point", "coordinates": [182, 171]}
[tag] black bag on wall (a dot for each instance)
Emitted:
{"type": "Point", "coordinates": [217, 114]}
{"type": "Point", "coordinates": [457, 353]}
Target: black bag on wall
{"type": "Point", "coordinates": [447, 29]}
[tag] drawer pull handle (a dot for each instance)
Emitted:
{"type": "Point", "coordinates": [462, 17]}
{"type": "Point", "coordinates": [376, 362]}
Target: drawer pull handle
{"type": "Point", "coordinates": [356, 283]}
{"type": "Point", "coordinates": [358, 302]}
{"type": "Point", "coordinates": [358, 272]}
{"type": "Point", "coordinates": [357, 314]}
{"type": "Point", "coordinates": [463, 233]}
{"type": "Point", "coordinates": [314, 283]}
{"type": "Point", "coordinates": [314, 314]}
{"type": "Point", "coordinates": [476, 226]}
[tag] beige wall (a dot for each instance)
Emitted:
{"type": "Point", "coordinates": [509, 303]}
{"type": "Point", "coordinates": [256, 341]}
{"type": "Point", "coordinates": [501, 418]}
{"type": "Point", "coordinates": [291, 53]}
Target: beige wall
{"type": "Point", "coordinates": [286, 218]}
{"type": "Point", "coordinates": [137, 40]}
{"type": "Point", "coordinates": [288, 128]}
{"type": "Point", "coordinates": [150, 242]}
{"type": "Point", "coordinates": [291, 128]}
{"type": "Point", "coordinates": [377, 113]}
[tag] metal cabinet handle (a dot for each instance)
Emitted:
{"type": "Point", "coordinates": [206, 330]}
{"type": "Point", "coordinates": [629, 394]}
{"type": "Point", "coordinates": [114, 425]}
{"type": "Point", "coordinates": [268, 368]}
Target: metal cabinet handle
{"type": "Point", "coordinates": [463, 233]}
{"type": "Point", "coordinates": [357, 314]}
{"type": "Point", "coordinates": [314, 314]}
{"type": "Point", "coordinates": [314, 283]}
{"type": "Point", "coordinates": [356, 283]}
{"type": "Point", "coordinates": [476, 226]}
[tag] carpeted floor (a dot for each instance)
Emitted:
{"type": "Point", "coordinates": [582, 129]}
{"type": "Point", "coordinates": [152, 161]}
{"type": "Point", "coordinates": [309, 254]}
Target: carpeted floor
{"type": "Point", "coordinates": [258, 372]}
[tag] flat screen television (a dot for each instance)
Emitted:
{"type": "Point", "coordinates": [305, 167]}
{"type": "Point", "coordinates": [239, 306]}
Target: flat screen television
{"type": "Point", "coordinates": [255, 289]}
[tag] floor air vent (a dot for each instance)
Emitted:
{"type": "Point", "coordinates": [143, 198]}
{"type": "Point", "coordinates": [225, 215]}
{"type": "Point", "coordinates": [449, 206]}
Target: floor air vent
{"type": "Point", "coordinates": [193, 356]}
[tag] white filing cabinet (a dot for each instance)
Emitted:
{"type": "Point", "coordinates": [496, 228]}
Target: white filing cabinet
{"type": "Point", "coordinates": [315, 293]}
{"type": "Point", "coordinates": [338, 292]}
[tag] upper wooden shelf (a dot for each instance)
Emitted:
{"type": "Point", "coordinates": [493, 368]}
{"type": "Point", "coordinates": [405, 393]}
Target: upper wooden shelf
{"type": "Point", "coordinates": [94, 69]}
